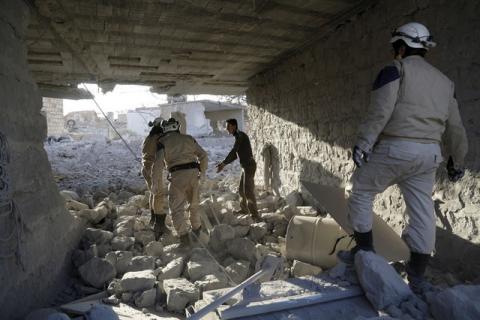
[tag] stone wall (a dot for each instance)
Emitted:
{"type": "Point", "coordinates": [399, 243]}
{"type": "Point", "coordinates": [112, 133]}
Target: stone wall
{"type": "Point", "coordinates": [307, 109]}
{"type": "Point", "coordinates": [36, 231]}
{"type": "Point", "coordinates": [53, 111]}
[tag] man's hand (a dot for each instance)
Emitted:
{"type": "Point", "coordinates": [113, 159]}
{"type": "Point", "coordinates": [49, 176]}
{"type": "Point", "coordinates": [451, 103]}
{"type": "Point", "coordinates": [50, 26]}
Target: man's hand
{"type": "Point", "coordinates": [454, 174]}
{"type": "Point", "coordinates": [220, 167]}
{"type": "Point", "coordinates": [358, 156]}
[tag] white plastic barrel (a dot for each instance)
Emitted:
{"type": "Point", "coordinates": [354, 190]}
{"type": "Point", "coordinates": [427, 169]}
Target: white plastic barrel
{"type": "Point", "coordinates": [312, 239]}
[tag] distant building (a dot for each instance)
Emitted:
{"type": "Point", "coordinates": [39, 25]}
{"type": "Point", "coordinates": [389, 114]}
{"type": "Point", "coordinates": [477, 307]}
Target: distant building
{"type": "Point", "coordinates": [202, 118]}
{"type": "Point", "coordinates": [53, 112]}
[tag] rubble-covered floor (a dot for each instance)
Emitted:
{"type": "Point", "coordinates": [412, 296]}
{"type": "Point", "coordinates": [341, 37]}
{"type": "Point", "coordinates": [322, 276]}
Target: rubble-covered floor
{"type": "Point", "coordinates": [119, 258]}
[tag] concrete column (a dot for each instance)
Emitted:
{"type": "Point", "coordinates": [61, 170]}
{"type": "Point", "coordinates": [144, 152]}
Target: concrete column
{"type": "Point", "coordinates": [36, 230]}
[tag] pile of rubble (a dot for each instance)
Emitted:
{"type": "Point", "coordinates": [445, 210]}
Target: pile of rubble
{"type": "Point", "coordinates": [118, 251]}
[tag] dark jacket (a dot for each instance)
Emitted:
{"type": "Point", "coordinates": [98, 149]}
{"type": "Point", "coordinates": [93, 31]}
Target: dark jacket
{"type": "Point", "coordinates": [241, 149]}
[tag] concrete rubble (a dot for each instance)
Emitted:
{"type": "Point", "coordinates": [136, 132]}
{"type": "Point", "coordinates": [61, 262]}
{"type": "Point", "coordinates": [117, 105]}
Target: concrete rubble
{"type": "Point", "coordinates": [119, 252]}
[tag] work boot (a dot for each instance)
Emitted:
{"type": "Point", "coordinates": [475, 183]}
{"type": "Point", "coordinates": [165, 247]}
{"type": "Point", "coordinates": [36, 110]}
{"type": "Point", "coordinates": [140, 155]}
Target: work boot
{"type": "Point", "coordinates": [152, 218]}
{"type": "Point", "coordinates": [256, 217]}
{"type": "Point", "coordinates": [363, 240]}
{"type": "Point", "coordinates": [159, 225]}
{"type": "Point", "coordinates": [416, 274]}
{"type": "Point", "coordinates": [185, 241]}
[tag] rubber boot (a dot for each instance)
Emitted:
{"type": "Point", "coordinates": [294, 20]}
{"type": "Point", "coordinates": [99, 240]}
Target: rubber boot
{"type": "Point", "coordinates": [363, 240]}
{"type": "Point", "coordinates": [159, 226]}
{"type": "Point", "coordinates": [416, 273]}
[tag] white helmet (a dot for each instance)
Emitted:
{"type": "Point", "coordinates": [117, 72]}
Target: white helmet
{"type": "Point", "coordinates": [156, 123]}
{"type": "Point", "coordinates": [415, 35]}
{"type": "Point", "coordinates": [170, 125]}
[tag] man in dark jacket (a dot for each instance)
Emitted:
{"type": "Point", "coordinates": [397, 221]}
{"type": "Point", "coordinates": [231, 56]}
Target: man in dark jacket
{"type": "Point", "coordinates": [243, 150]}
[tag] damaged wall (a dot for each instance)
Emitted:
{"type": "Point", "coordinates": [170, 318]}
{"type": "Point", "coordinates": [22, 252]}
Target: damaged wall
{"type": "Point", "coordinates": [53, 111]}
{"type": "Point", "coordinates": [308, 109]}
{"type": "Point", "coordinates": [36, 231]}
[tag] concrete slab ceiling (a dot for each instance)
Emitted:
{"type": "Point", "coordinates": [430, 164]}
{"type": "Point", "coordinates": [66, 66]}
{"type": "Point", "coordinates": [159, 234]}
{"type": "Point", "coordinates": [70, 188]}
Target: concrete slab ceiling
{"type": "Point", "coordinates": [175, 46]}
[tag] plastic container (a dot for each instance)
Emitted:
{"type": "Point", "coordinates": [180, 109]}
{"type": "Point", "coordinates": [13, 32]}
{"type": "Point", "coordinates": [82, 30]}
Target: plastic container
{"type": "Point", "coordinates": [316, 240]}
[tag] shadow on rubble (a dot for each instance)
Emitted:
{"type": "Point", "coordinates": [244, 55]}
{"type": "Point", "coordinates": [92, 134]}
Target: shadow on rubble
{"type": "Point", "coordinates": [457, 255]}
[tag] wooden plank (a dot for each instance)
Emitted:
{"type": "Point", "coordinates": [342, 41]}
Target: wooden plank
{"type": "Point", "coordinates": [386, 241]}
{"type": "Point", "coordinates": [293, 302]}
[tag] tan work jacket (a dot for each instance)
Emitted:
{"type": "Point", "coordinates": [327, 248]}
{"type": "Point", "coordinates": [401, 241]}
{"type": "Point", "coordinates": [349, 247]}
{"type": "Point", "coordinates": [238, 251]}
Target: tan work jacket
{"type": "Point", "coordinates": [413, 100]}
{"type": "Point", "coordinates": [175, 148]}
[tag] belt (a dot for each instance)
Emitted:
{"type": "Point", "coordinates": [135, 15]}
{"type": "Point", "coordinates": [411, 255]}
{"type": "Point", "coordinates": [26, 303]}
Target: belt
{"type": "Point", "coordinates": [185, 166]}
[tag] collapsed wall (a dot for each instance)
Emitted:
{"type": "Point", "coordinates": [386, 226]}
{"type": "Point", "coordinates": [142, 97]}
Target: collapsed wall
{"type": "Point", "coordinates": [305, 113]}
{"type": "Point", "coordinates": [36, 231]}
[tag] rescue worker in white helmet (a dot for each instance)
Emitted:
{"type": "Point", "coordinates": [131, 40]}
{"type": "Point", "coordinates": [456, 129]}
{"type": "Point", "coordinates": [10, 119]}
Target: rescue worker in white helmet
{"type": "Point", "coordinates": [412, 108]}
{"type": "Point", "coordinates": [187, 163]}
{"type": "Point", "coordinates": [149, 151]}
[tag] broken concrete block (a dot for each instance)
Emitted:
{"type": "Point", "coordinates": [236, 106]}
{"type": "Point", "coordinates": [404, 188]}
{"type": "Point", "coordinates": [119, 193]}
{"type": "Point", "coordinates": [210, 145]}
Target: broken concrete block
{"type": "Point", "coordinates": [138, 201]}
{"type": "Point", "coordinates": [227, 197]}
{"type": "Point", "coordinates": [172, 270]}
{"type": "Point", "coordinates": [459, 302]}
{"type": "Point", "coordinates": [241, 231]}
{"type": "Point", "coordinates": [146, 298]}
{"type": "Point", "coordinates": [140, 263]}
{"type": "Point", "coordinates": [124, 226]}
{"type": "Point", "coordinates": [122, 243]}
{"type": "Point", "coordinates": [80, 257]}
{"type": "Point", "coordinates": [124, 195]}
{"type": "Point", "coordinates": [144, 237]}
{"type": "Point", "coordinates": [301, 269]}
{"type": "Point", "coordinates": [383, 286]}
{"type": "Point", "coordinates": [287, 211]}
{"type": "Point", "coordinates": [280, 228]}
{"type": "Point", "coordinates": [126, 297]}
{"type": "Point", "coordinates": [201, 264]}
{"type": "Point", "coordinates": [219, 235]}
{"type": "Point", "coordinates": [154, 249]}
{"type": "Point", "coordinates": [294, 199]}
{"type": "Point", "coordinates": [97, 272]}
{"type": "Point", "coordinates": [126, 210]}
{"type": "Point", "coordinates": [212, 282]}
{"type": "Point", "coordinates": [142, 222]}
{"type": "Point", "coordinates": [75, 205]}
{"type": "Point", "coordinates": [97, 236]}
{"type": "Point", "coordinates": [238, 271]}
{"type": "Point", "coordinates": [69, 195]}
{"type": "Point", "coordinates": [242, 248]}
{"type": "Point", "coordinates": [137, 281]}
{"type": "Point", "coordinates": [270, 203]}
{"type": "Point", "coordinates": [180, 292]}
{"type": "Point", "coordinates": [122, 260]}
{"type": "Point", "coordinates": [258, 231]}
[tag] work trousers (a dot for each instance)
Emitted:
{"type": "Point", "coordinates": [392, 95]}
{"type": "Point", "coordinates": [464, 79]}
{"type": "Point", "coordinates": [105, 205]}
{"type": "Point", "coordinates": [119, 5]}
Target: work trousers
{"type": "Point", "coordinates": [411, 166]}
{"type": "Point", "coordinates": [155, 200]}
{"type": "Point", "coordinates": [183, 195]}
{"type": "Point", "coordinates": [248, 201]}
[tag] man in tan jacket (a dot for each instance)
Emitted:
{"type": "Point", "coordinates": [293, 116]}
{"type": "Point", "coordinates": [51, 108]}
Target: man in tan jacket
{"type": "Point", "coordinates": [149, 151]}
{"type": "Point", "coordinates": [187, 163]}
{"type": "Point", "coordinates": [412, 107]}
